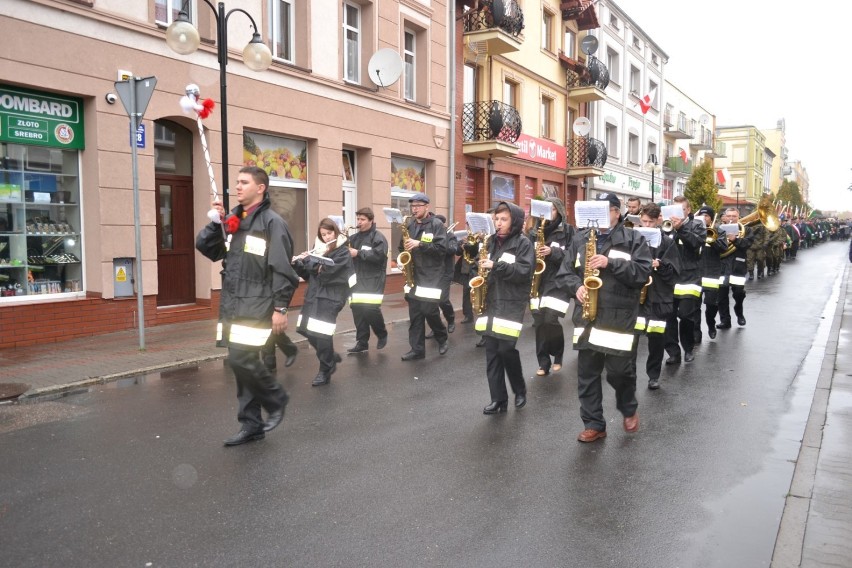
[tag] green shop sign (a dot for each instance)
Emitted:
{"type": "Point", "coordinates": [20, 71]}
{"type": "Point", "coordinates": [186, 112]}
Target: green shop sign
{"type": "Point", "coordinates": [42, 119]}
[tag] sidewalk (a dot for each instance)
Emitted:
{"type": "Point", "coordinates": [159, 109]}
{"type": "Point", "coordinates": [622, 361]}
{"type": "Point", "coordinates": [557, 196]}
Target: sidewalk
{"type": "Point", "coordinates": [55, 368]}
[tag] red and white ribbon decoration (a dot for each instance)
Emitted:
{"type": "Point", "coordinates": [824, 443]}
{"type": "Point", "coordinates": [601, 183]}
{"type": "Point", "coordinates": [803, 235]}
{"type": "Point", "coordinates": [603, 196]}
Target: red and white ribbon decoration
{"type": "Point", "coordinates": [191, 102]}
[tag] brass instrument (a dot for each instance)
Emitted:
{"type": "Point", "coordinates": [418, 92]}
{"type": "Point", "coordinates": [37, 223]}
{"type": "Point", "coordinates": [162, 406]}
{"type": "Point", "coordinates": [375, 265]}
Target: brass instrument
{"type": "Point", "coordinates": [591, 280]}
{"type": "Point", "coordinates": [404, 259]}
{"type": "Point", "coordinates": [479, 283]}
{"type": "Point", "coordinates": [643, 294]}
{"type": "Point", "coordinates": [764, 214]}
{"type": "Point", "coordinates": [668, 226]}
{"type": "Point", "coordinates": [540, 265]}
{"type": "Point", "coordinates": [712, 233]}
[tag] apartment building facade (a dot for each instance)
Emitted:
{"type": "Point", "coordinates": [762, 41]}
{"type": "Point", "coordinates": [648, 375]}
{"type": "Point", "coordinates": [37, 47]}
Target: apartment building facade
{"type": "Point", "coordinates": [745, 163]}
{"type": "Point", "coordinates": [331, 139]}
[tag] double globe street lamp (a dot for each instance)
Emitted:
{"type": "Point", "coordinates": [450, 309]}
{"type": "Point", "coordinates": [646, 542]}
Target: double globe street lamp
{"type": "Point", "coordinates": [653, 167]}
{"type": "Point", "coordinates": [183, 38]}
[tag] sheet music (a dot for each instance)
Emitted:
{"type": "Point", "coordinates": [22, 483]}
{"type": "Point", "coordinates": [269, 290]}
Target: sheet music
{"type": "Point", "coordinates": [481, 223]}
{"type": "Point", "coordinates": [393, 215]}
{"type": "Point", "coordinates": [672, 210]}
{"type": "Point", "coordinates": [460, 235]}
{"type": "Point", "coordinates": [651, 234]}
{"type": "Point", "coordinates": [635, 219]}
{"type": "Point", "coordinates": [700, 219]}
{"type": "Point", "coordinates": [540, 209]}
{"type": "Point", "coordinates": [592, 214]}
{"type": "Point", "coordinates": [730, 229]}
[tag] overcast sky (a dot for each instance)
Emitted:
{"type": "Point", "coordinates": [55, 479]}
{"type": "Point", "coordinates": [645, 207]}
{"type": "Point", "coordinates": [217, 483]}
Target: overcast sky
{"type": "Point", "coordinates": [756, 61]}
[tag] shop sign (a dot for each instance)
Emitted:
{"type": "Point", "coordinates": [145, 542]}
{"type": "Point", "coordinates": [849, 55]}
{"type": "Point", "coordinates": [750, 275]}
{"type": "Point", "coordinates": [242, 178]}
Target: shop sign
{"type": "Point", "coordinates": [617, 182]}
{"type": "Point", "coordinates": [42, 119]}
{"type": "Point", "coordinates": [541, 151]}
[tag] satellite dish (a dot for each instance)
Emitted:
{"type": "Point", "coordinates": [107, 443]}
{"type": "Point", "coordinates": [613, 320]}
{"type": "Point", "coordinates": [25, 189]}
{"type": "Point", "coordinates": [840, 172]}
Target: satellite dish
{"type": "Point", "coordinates": [703, 119]}
{"type": "Point", "coordinates": [582, 126]}
{"type": "Point", "coordinates": [385, 67]}
{"type": "Point", "coordinates": [589, 44]}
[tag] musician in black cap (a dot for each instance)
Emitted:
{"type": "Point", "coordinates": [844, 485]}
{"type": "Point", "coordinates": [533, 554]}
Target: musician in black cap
{"type": "Point", "coordinates": [710, 266]}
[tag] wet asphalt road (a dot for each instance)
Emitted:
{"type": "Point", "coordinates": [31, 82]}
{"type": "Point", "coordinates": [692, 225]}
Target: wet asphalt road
{"type": "Point", "coordinates": [394, 464]}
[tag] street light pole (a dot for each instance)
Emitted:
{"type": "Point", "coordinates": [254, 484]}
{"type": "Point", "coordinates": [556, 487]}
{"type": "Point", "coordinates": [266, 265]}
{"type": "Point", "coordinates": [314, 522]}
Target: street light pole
{"type": "Point", "coordinates": [183, 38]}
{"type": "Point", "coordinates": [652, 166]}
{"type": "Point", "coordinates": [737, 191]}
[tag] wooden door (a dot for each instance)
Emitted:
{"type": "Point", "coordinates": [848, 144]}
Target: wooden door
{"type": "Point", "coordinates": [175, 241]}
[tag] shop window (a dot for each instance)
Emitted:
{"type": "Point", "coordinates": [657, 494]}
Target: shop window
{"type": "Point", "coordinates": [40, 248]}
{"type": "Point", "coordinates": [286, 162]}
{"type": "Point", "coordinates": [503, 188]}
{"type": "Point", "coordinates": [550, 190]}
{"type": "Point", "coordinates": [407, 178]}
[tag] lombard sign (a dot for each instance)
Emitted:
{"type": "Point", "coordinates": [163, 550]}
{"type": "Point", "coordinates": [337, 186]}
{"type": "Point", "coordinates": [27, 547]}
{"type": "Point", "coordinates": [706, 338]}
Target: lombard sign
{"type": "Point", "coordinates": [541, 151]}
{"type": "Point", "coordinates": [43, 119]}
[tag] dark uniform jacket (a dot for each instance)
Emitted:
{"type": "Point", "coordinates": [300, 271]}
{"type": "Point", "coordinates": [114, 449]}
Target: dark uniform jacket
{"type": "Point", "coordinates": [710, 263]}
{"type": "Point", "coordinates": [659, 302]}
{"type": "Point", "coordinates": [557, 235]}
{"type": "Point", "coordinates": [328, 288]}
{"type": "Point", "coordinates": [256, 272]}
{"type": "Point", "coordinates": [508, 281]}
{"type": "Point", "coordinates": [369, 266]}
{"type": "Point", "coordinates": [618, 299]}
{"type": "Point", "coordinates": [734, 267]}
{"type": "Point", "coordinates": [453, 249]}
{"type": "Point", "coordinates": [690, 240]}
{"type": "Point", "coordinates": [429, 258]}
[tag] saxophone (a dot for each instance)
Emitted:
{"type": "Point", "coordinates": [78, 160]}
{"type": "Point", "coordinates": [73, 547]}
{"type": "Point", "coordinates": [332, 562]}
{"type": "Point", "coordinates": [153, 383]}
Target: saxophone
{"type": "Point", "coordinates": [479, 284]}
{"type": "Point", "coordinates": [404, 259]}
{"type": "Point", "coordinates": [591, 280]}
{"type": "Point", "coordinates": [540, 266]}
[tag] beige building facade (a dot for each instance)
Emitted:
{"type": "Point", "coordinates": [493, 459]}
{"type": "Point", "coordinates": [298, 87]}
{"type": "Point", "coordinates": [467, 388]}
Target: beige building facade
{"type": "Point", "coordinates": [745, 163]}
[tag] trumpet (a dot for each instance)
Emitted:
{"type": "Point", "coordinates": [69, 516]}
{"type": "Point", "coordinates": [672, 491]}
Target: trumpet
{"type": "Point", "coordinates": [668, 226]}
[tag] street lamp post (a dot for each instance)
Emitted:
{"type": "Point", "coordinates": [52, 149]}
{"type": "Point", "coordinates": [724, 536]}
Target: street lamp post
{"type": "Point", "coordinates": [182, 37]}
{"type": "Point", "coordinates": [654, 167]}
{"type": "Point", "coordinates": [737, 191]}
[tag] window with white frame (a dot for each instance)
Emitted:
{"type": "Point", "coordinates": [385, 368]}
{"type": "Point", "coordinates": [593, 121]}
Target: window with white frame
{"type": "Point", "coordinates": [546, 117]}
{"type": "Point", "coordinates": [611, 134]}
{"type": "Point", "coordinates": [636, 42]}
{"type": "Point", "coordinates": [613, 22]}
{"type": "Point", "coordinates": [166, 11]}
{"type": "Point", "coordinates": [510, 93]}
{"type": "Point", "coordinates": [352, 42]}
{"type": "Point", "coordinates": [281, 32]}
{"type": "Point", "coordinates": [568, 43]}
{"type": "Point", "coordinates": [410, 65]}
{"type": "Point", "coordinates": [635, 81]}
{"type": "Point", "coordinates": [546, 30]}
{"type": "Point", "coordinates": [614, 65]}
{"type": "Point", "coordinates": [652, 90]}
{"type": "Point", "coordinates": [652, 150]}
{"type": "Point", "coordinates": [633, 148]}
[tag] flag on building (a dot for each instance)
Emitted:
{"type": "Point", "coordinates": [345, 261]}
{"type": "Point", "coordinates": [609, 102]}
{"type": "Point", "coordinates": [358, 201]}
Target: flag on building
{"type": "Point", "coordinates": [683, 156]}
{"type": "Point", "coordinates": [645, 102]}
{"type": "Point", "coordinates": [722, 176]}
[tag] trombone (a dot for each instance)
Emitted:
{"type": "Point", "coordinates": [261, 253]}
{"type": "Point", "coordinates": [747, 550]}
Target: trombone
{"type": "Point", "coordinates": [712, 233]}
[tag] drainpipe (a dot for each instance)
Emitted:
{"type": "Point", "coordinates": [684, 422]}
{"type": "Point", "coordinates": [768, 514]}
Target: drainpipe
{"type": "Point", "coordinates": [453, 119]}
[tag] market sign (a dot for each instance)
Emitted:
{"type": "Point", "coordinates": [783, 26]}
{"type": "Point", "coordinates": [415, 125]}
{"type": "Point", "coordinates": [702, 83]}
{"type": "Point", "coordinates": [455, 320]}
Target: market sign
{"type": "Point", "coordinates": [541, 151]}
{"type": "Point", "coordinates": [42, 119]}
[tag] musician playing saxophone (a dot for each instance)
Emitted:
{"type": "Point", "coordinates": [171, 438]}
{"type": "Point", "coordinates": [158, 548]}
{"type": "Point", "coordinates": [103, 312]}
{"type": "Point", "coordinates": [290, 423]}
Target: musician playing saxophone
{"type": "Point", "coordinates": [427, 244]}
{"type": "Point", "coordinates": [548, 306]}
{"type": "Point", "coordinates": [659, 296]}
{"type": "Point", "coordinates": [623, 260]}
{"type": "Point", "coordinates": [509, 263]}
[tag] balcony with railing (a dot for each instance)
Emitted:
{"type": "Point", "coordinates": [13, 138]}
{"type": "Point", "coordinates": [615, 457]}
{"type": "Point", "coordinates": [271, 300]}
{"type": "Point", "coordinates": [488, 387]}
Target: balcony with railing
{"type": "Point", "coordinates": [490, 129]}
{"type": "Point", "coordinates": [702, 141]}
{"type": "Point", "coordinates": [586, 157]}
{"type": "Point", "coordinates": [496, 25]}
{"type": "Point", "coordinates": [681, 129]}
{"type": "Point", "coordinates": [581, 11]}
{"type": "Point", "coordinates": [677, 165]}
{"type": "Point", "coordinates": [585, 83]}
{"type": "Point", "coordinates": [719, 151]}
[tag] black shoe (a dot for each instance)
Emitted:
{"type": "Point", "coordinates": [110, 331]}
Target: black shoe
{"type": "Point", "coordinates": [382, 342]}
{"type": "Point", "coordinates": [688, 357]}
{"type": "Point", "coordinates": [520, 400]}
{"type": "Point", "coordinates": [321, 379]}
{"type": "Point", "coordinates": [337, 358]}
{"type": "Point", "coordinates": [412, 355]}
{"type": "Point", "coordinates": [653, 384]}
{"type": "Point", "coordinates": [673, 360]}
{"type": "Point", "coordinates": [430, 335]}
{"type": "Point", "coordinates": [481, 342]}
{"type": "Point", "coordinates": [696, 339]}
{"type": "Point", "coordinates": [751, 276]}
{"type": "Point", "coordinates": [358, 348]}
{"type": "Point", "coordinates": [759, 276]}
{"type": "Point", "coordinates": [740, 320]}
{"type": "Point", "coordinates": [723, 325]}
{"type": "Point", "coordinates": [712, 332]}
{"type": "Point", "coordinates": [467, 319]}
{"type": "Point", "coordinates": [451, 326]}
{"type": "Point", "coordinates": [275, 418]}
{"type": "Point", "coordinates": [244, 436]}
{"type": "Point", "coordinates": [444, 347]}
{"type": "Point", "coordinates": [496, 407]}
{"type": "Point", "coordinates": [288, 362]}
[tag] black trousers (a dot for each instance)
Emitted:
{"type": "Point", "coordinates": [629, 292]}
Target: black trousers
{"type": "Point", "coordinates": [680, 326]}
{"type": "Point", "coordinates": [420, 313]}
{"type": "Point", "coordinates": [283, 342]}
{"type": "Point", "coordinates": [549, 339]}
{"type": "Point", "coordinates": [656, 352]}
{"type": "Point", "coordinates": [467, 307]}
{"type": "Point", "coordinates": [711, 308]}
{"type": "Point", "coordinates": [502, 361]}
{"type": "Point", "coordinates": [368, 316]}
{"type": "Point", "coordinates": [739, 294]}
{"type": "Point", "coordinates": [619, 374]}
{"type": "Point", "coordinates": [447, 309]}
{"type": "Point", "coordinates": [256, 387]}
{"type": "Point", "coordinates": [324, 345]}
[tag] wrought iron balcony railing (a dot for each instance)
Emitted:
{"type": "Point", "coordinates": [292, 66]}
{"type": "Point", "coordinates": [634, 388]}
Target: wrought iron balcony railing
{"type": "Point", "coordinates": [586, 152]}
{"type": "Point", "coordinates": [490, 120]}
{"type": "Point", "coordinates": [503, 14]}
{"type": "Point", "coordinates": [594, 74]}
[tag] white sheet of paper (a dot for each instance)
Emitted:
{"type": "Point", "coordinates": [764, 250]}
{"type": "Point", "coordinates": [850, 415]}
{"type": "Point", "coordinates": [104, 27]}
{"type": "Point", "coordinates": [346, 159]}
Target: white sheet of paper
{"type": "Point", "coordinates": [730, 228]}
{"type": "Point", "coordinates": [651, 234]}
{"type": "Point", "coordinates": [672, 210]}
{"type": "Point", "coordinates": [321, 259]}
{"type": "Point", "coordinates": [700, 219]}
{"type": "Point", "coordinates": [592, 214]}
{"type": "Point", "coordinates": [460, 235]}
{"type": "Point", "coordinates": [393, 215]}
{"type": "Point", "coordinates": [635, 219]}
{"type": "Point", "coordinates": [539, 208]}
{"type": "Point", "coordinates": [481, 223]}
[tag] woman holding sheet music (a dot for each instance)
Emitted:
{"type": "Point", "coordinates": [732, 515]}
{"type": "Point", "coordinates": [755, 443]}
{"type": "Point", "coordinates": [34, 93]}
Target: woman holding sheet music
{"type": "Point", "coordinates": [327, 271]}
